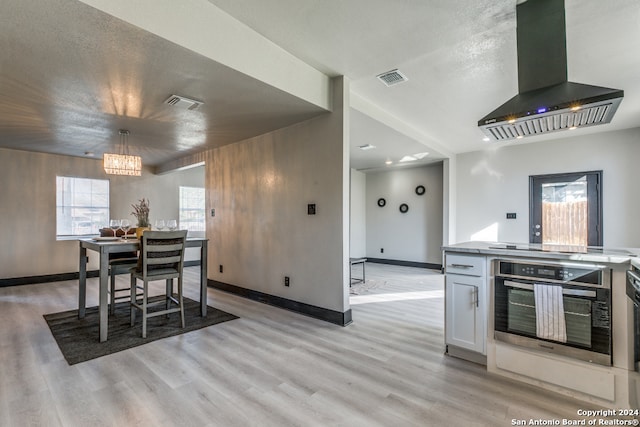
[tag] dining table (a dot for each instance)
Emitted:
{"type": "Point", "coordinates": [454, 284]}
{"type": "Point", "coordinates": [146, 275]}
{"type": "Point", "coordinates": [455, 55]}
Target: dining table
{"type": "Point", "coordinates": [106, 246]}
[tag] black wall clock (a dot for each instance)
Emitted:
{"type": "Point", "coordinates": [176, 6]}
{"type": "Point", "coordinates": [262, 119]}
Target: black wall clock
{"type": "Point", "coordinates": [420, 190]}
{"type": "Point", "coordinates": [404, 208]}
{"type": "Point", "coordinates": [381, 202]}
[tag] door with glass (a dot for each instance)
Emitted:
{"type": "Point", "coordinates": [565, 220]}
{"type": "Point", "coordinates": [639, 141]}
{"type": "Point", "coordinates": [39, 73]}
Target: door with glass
{"type": "Point", "coordinates": [566, 209]}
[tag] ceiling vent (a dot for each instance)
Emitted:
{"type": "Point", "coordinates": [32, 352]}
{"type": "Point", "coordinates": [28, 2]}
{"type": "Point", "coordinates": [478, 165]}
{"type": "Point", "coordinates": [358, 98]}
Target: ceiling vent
{"type": "Point", "coordinates": [183, 103]}
{"type": "Point", "coordinates": [392, 77]}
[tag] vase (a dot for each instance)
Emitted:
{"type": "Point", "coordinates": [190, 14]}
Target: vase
{"type": "Point", "coordinates": [140, 230]}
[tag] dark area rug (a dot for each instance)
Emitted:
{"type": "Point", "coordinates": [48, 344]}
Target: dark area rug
{"type": "Point", "coordinates": [78, 339]}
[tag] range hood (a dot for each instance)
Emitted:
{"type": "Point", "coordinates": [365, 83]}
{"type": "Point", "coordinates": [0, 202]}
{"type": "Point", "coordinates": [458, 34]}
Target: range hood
{"type": "Point", "coordinates": [546, 102]}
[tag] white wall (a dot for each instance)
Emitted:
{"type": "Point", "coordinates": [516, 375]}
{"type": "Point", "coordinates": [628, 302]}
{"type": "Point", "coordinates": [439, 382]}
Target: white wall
{"type": "Point", "coordinates": [28, 209]}
{"type": "Point", "coordinates": [358, 239]}
{"type": "Point", "coordinates": [260, 189]}
{"type": "Point", "coordinates": [493, 182]}
{"type": "Point", "coordinates": [416, 235]}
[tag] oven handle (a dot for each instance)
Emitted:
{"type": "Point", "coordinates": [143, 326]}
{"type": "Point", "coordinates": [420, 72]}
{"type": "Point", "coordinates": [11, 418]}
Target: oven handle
{"type": "Point", "coordinates": [565, 291]}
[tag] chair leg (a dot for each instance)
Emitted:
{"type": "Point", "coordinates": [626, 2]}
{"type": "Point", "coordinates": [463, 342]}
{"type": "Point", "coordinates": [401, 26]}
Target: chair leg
{"type": "Point", "coordinates": [180, 300]}
{"type": "Point", "coordinates": [168, 293]}
{"type": "Point", "coordinates": [112, 295]}
{"type": "Point", "coordinates": [133, 300]}
{"type": "Point", "coordinates": [144, 309]}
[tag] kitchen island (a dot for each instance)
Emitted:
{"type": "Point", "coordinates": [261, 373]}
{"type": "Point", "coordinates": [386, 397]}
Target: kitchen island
{"type": "Point", "coordinates": [492, 317]}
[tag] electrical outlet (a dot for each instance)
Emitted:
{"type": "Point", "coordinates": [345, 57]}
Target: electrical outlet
{"type": "Point", "coordinates": [213, 212]}
{"type": "Point", "coordinates": [311, 209]}
{"type": "Point", "coordinates": [220, 268]}
{"type": "Point", "coordinates": [381, 250]}
{"type": "Point", "coordinates": [286, 280]}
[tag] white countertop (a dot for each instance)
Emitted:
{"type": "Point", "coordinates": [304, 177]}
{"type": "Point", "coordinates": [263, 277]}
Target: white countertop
{"type": "Point", "coordinates": [533, 250]}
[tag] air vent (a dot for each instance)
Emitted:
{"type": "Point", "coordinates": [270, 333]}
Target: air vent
{"type": "Point", "coordinates": [366, 147]}
{"type": "Point", "coordinates": [551, 122]}
{"type": "Point", "coordinates": [392, 77]}
{"type": "Point", "coordinates": [183, 102]}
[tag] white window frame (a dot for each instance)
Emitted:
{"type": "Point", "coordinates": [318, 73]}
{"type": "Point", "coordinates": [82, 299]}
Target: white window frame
{"type": "Point", "coordinates": [79, 212]}
{"type": "Point", "coordinates": [192, 217]}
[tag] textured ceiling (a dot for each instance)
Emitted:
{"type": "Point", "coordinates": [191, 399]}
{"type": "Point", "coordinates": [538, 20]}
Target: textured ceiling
{"type": "Point", "coordinates": [459, 56]}
{"type": "Point", "coordinates": [71, 75]}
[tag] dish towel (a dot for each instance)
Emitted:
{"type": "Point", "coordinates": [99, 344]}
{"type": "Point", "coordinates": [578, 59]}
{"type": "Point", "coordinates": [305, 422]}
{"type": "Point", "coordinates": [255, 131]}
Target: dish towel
{"type": "Point", "coordinates": [550, 322]}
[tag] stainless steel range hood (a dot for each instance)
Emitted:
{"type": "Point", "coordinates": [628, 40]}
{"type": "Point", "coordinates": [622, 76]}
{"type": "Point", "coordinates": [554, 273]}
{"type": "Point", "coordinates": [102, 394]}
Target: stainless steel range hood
{"type": "Point", "coordinates": [546, 102]}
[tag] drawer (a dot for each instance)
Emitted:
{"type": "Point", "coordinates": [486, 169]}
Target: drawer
{"type": "Point", "coordinates": [468, 265]}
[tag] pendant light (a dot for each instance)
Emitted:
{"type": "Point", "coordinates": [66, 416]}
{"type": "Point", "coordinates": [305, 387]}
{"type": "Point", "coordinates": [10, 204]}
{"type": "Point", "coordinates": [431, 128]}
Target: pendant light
{"type": "Point", "coordinates": [123, 163]}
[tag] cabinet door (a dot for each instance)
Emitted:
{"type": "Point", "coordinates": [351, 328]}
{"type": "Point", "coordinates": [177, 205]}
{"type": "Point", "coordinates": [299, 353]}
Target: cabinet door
{"type": "Point", "coordinates": [464, 308]}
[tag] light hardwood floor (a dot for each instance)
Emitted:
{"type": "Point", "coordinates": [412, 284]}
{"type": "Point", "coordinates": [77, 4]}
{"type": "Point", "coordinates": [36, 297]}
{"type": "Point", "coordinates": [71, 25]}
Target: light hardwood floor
{"type": "Point", "coordinates": [271, 367]}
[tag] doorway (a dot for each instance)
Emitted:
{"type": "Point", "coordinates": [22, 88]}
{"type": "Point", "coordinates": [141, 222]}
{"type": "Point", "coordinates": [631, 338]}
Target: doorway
{"type": "Point", "coordinates": [566, 209]}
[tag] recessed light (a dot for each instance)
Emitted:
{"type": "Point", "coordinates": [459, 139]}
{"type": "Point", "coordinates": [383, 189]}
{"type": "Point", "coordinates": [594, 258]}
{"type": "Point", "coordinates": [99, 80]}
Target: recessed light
{"type": "Point", "coordinates": [408, 159]}
{"type": "Point", "coordinates": [388, 162]}
{"type": "Point", "coordinates": [486, 139]}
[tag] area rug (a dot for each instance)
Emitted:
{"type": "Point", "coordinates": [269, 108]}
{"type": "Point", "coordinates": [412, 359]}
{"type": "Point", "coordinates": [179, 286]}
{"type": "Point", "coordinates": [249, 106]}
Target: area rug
{"type": "Point", "coordinates": [78, 339]}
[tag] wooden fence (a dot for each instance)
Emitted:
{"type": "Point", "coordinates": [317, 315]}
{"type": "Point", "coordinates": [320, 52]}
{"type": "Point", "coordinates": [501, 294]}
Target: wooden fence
{"type": "Point", "coordinates": [565, 223]}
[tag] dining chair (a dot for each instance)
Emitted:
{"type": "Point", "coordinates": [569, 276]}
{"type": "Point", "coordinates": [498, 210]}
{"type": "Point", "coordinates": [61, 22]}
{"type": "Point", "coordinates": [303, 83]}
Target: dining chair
{"type": "Point", "coordinates": [119, 263]}
{"type": "Point", "coordinates": [161, 258]}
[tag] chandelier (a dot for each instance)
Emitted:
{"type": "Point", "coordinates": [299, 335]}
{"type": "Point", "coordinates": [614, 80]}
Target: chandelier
{"type": "Point", "coordinates": [123, 163]}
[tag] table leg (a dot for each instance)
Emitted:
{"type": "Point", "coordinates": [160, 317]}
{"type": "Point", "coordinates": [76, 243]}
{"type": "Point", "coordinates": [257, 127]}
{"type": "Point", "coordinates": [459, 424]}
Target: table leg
{"type": "Point", "coordinates": [82, 282]}
{"type": "Point", "coordinates": [203, 279]}
{"type": "Point", "coordinates": [104, 297]}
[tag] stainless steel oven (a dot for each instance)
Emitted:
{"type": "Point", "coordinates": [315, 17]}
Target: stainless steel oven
{"type": "Point", "coordinates": [585, 307]}
{"type": "Point", "coordinates": [633, 292]}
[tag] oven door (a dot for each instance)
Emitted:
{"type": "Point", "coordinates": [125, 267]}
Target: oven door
{"type": "Point", "coordinates": [521, 312]}
{"type": "Point", "coordinates": [586, 312]}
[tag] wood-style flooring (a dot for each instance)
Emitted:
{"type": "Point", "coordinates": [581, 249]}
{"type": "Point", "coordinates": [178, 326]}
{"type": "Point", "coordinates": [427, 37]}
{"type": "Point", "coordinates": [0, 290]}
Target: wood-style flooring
{"type": "Point", "coordinates": [271, 367]}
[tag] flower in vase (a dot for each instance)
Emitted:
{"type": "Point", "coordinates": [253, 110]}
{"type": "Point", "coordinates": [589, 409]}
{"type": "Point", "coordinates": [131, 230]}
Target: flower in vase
{"type": "Point", "coordinates": [141, 212]}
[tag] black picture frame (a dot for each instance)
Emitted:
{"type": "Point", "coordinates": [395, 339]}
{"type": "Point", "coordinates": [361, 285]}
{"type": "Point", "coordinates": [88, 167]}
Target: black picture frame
{"type": "Point", "coordinates": [404, 208]}
{"type": "Point", "coordinates": [420, 190]}
{"type": "Point", "coordinates": [382, 202]}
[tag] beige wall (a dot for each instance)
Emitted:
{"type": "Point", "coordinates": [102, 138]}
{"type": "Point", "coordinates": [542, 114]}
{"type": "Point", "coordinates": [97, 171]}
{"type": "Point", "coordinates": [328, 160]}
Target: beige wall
{"type": "Point", "coordinates": [261, 232]}
{"type": "Point", "coordinates": [28, 209]}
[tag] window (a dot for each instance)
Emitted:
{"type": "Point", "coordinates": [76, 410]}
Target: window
{"type": "Point", "coordinates": [82, 206]}
{"type": "Point", "coordinates": [192, 210]}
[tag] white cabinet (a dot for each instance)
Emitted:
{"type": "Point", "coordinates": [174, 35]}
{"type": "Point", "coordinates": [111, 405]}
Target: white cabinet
{"type": "Point", "coordinates": [465, 302]}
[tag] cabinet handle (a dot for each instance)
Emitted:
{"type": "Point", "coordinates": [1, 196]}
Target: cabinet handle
{"type": "Point", "coordinates": [460, 265]}
{"type": "Point", "coordinates": [477, 291]}
{"type": "Point", "coordinates": [474, 296]}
